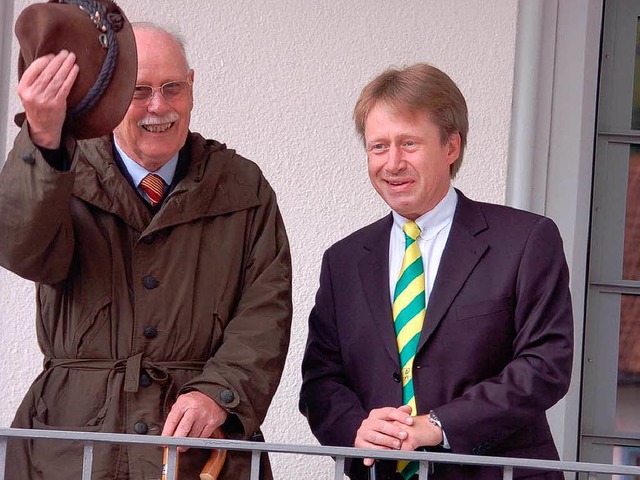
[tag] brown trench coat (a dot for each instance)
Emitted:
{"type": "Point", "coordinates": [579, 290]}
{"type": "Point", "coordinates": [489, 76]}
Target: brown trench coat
{"type": "Point", "coordinates": [134, 309]}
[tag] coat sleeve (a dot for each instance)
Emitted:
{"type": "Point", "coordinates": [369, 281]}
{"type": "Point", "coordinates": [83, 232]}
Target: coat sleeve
{"type": "Point", "coordinates": [245, 371]}
{"type": "Point", "coordinates": [331, 407]}
{"type": "Point", "coordinates": [539, 373]}
{"type": "Point", "coordinates": [36, 233]}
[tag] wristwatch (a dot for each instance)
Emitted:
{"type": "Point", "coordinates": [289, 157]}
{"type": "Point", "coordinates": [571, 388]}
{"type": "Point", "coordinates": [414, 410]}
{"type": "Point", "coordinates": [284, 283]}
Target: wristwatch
{"type": "Point", "coordinates": [433, 418]}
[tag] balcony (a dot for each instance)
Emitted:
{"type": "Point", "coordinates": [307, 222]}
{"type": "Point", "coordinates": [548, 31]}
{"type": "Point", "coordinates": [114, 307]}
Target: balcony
{"type": "Point", "coordinates": [426, 459]}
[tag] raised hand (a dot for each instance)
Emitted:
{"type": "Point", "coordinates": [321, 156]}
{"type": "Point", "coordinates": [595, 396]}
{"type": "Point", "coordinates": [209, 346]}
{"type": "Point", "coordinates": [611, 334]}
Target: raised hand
{"type": "Point", "coordinates": [43, 91]}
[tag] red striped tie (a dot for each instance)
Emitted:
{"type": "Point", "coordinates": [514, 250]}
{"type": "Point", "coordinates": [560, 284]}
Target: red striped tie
{"type": "Point", "coordinates": [153, 186]}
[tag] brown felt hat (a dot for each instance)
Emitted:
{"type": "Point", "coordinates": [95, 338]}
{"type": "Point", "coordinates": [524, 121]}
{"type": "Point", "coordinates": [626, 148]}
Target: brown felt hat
{"type": "Point", "coordinates": [102, 39]}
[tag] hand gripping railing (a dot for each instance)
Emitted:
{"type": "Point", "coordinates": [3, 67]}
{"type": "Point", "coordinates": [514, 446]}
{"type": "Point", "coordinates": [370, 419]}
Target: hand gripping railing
{"type": "Point", "coordinates": [338, 453]}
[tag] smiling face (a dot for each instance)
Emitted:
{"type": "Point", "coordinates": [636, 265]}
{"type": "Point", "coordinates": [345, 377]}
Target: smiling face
{"type": "Point", "coordinates": [407, 160]}
{"type": "Point", "coordinates": [154, 130]}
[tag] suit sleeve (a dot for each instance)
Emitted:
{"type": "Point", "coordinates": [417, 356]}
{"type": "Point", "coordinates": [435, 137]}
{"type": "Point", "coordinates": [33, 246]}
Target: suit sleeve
{"type": "Point", "coordinates": [332, 408]}
{"type": "Point", "coordinates": [36, 233]}
{"type": "Point", "coordinates": [539, 373]}
{"type": "Point", "coordinates": [245, 371]}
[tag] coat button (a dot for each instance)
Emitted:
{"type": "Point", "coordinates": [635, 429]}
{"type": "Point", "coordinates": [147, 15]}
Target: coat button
{"type": "Point", "coordinates": [150, 332]}
{"type": "Point", "coordinates": [145, 380]}
{"type": "Point", "coordinates": [149, 239]}
{"type": "Point", "coordinates": [227, 396]}
{"type": "Point", "coordinates": [141, 428]}
{"type": "Point", "coordinates": [150, 282]}
{"type": "Point", "coordinates": [29, 158]}
{"type": "Point", "coordinates": [396, 377]}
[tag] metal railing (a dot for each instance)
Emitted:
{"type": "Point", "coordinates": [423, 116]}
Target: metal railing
{"type": "Point", "coordinates": [338, 453]}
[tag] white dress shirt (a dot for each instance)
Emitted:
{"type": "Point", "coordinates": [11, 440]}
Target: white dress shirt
{"type": "Point", "coordinates": [435, 226]}
{"type": "Point", "coordinates": [138, 172]}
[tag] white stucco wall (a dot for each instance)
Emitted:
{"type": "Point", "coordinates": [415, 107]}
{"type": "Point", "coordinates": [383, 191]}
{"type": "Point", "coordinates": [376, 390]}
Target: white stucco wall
{"type": "Point", "coordinates": [277, 81]}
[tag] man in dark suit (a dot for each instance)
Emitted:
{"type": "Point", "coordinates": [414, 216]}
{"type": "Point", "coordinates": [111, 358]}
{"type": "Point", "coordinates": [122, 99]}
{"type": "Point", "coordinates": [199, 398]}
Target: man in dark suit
{"type": "Point", "coordinates": [459, 345]}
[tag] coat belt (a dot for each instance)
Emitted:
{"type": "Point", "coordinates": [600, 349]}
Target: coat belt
{"type": "Point", "coordinates": [132, 366]}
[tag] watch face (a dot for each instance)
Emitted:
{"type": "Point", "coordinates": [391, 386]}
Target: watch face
{"type": "Point", "coordinates": [434, 419]}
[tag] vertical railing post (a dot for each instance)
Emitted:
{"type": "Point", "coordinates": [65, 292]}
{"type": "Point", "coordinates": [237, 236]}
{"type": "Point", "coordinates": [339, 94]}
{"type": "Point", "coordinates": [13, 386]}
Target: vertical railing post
{"type": "Point", "coordinates": [170, 469]}
{"type": "Point", "coordinates": [339, 469]}
{"type": "Point", "coordinates": [507, 473]}
{"type": "Point", "coordinates": [255, 465]}
{"type": "Point", "coordinates": [423, 471]}
{"type": "Point", "coordinates": [3, 455]}
{"type": "Point", "coordinates": [87, 461]}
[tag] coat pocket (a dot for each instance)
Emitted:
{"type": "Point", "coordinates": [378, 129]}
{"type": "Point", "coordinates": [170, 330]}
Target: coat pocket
{"type": "Point", "coordinates": [96, 324]}
{"type": "Point", "coordinates": [486, 308]}
{"type": "Point", "coordinates": [58, 459]}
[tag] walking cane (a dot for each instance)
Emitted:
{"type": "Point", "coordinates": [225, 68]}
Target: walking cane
{"type": "Point", "coordinates": [211, 469]}
{"type": "Point", "coordinates": [215, 463]}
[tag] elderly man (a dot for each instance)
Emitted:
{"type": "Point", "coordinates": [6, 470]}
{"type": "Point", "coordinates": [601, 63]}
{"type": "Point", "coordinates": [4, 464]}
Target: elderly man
{"type": "Point", "coordinates": [163, 275]}
{"type": "Point", "coordinates": [447, 324]}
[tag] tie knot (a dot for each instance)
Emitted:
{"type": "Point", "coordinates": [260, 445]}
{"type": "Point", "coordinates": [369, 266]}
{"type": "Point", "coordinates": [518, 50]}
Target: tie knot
{"type": "Point", "coordinates": [153, 186]}
{"type": "Point", "coordinates": [411, 230]}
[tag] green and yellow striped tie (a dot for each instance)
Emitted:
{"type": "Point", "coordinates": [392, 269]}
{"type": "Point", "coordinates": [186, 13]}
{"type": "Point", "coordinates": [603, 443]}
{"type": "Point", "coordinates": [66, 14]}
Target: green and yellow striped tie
{"type": "Point", "coordinates": [409, 309]}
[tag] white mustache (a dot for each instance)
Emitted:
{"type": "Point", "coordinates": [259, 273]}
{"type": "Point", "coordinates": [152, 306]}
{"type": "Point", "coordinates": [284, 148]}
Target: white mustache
{"type": "Point", "coordinates": [155, 120]}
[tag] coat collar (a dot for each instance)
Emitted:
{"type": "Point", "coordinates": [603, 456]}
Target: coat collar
{"type": "Point", "coordinates": [211, 186]}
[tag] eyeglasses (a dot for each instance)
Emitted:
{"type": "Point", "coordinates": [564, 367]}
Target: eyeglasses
{"type": "Point", "coordinates": [170, 91]}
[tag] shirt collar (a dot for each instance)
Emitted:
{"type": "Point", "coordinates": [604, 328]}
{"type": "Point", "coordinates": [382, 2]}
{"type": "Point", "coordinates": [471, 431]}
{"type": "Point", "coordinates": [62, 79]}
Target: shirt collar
{"type": "Point", "coordinates": [138, 172]}
{"type": "Point", "coordinates": [435, 219]}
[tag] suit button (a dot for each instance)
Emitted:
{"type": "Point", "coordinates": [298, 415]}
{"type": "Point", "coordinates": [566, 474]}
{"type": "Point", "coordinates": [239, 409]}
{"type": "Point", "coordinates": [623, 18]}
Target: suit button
{"type": "Point", "coordinates": [149, 239]}
{"type": "Point", "coordinates": [141, 428]}
{"type": "Point", "coordinates": [29, 158]}
{"type": "Point", "coordinates": [227, 396]}
{"type": "Point", "coordinates": [150, 282]}
{"type": "Point", "coordinates": [396, 377]}
{"type": "Point", "coordinates": [145, 380]}
{"type": "Point", "coordinates": [150, 332]}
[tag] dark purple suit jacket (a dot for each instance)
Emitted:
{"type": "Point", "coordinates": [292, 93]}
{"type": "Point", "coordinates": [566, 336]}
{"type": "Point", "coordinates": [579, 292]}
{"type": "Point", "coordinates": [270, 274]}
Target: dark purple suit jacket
{"type": "Point", "coordinates": [494, 354]}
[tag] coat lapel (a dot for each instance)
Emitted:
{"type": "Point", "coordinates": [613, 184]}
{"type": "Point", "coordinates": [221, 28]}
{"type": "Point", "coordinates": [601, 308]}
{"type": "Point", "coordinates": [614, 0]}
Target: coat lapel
{"type": "Point", "coordinates": [373, 268]}
{"type": "Point", "coordinates": [462, 253]}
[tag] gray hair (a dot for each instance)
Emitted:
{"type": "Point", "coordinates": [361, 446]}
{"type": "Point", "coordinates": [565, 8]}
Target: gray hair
{"type": "Point", "coordinates": [179, 39]}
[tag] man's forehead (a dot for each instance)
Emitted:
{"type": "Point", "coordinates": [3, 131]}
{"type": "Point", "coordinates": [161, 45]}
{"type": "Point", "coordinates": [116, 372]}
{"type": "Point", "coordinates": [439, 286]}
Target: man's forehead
{"type": "Point", "coordinates": [400, 110]}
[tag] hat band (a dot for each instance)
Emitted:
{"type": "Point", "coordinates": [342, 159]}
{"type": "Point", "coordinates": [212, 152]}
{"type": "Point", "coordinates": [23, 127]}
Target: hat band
{"type": "Point", "coordinates": [107, 25]}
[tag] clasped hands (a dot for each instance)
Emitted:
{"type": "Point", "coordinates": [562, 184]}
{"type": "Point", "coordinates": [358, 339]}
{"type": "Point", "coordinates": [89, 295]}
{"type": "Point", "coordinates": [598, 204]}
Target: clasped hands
{"type": "Point", "coordinates": [390, 428]}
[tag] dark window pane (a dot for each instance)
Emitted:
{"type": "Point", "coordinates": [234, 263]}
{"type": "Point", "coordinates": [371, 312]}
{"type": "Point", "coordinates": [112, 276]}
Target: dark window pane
{"type": "Point", "coordinates": [635, 116]}
{"type": "Point", "coordinates": [628, 394]}
{"type": "Point", "coordinates": [631, 258]}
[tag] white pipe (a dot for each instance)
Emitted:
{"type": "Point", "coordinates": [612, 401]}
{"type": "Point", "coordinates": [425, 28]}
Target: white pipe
{"type": "Point", "coordinates": [525, 98]}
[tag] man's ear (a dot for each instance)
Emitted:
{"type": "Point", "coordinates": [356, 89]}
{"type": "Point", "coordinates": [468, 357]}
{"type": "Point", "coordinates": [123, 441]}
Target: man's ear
{"type": "Point", "coordinates": [453, 147]}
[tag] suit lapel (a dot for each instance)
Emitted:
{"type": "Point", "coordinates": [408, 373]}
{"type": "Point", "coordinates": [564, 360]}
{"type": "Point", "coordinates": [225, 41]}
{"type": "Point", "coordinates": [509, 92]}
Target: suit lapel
{"type": "Point", "coordinates": [373, 268]}
{"type": "Point", "coordinates": [462, 253]}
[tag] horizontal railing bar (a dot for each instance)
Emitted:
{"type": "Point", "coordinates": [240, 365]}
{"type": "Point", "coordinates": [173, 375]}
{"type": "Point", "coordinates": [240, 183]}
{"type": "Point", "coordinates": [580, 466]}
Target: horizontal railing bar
{"type": "Point", "coordinates": [242, 445]}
